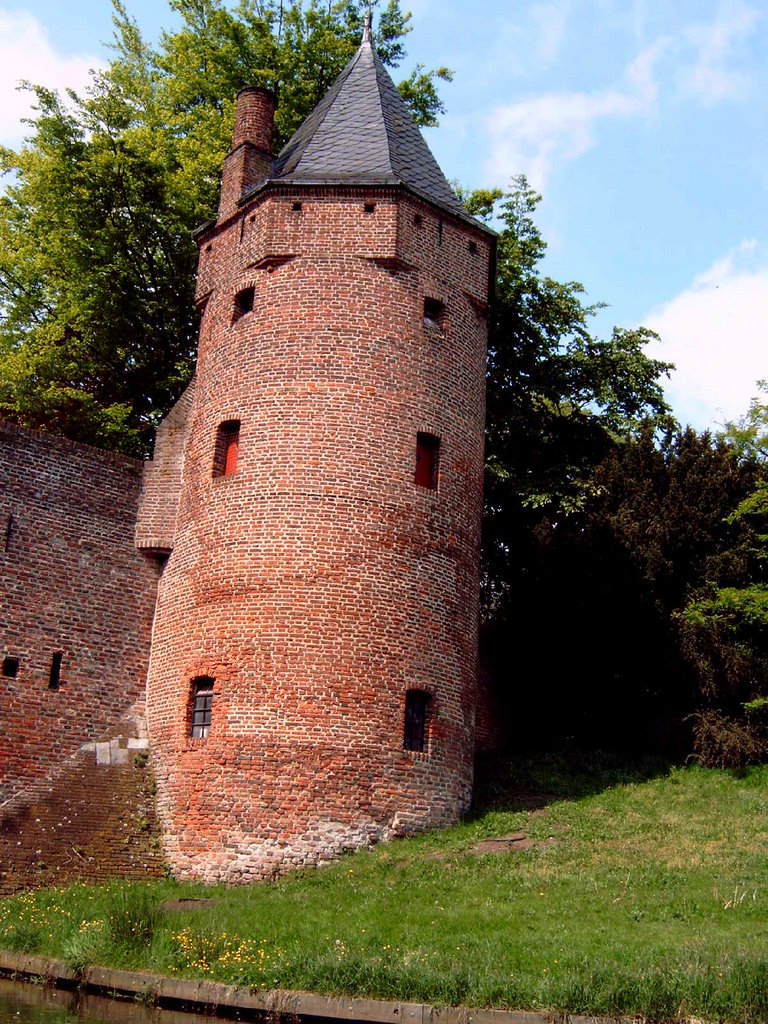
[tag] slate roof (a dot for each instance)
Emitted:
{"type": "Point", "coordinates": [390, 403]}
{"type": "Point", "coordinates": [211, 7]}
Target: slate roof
{"type": "Point", "coordinates": [362, 132]}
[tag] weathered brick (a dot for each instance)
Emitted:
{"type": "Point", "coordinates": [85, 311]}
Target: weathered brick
{"type": "Point", "coordinates": [73, 583]}
{"type": "Point", "coordinates": [319, 583]}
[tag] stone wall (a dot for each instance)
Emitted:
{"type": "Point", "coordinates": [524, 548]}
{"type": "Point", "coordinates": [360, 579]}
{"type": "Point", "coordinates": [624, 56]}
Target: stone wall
{"type": "Point", "coordinates": [319, 583]}
{"type": "Point", "coordinates": [75, 594]}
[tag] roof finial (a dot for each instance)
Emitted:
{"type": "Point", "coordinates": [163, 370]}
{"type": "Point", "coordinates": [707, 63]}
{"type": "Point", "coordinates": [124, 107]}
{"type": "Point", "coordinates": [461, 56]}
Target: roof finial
{"type": "Point", "coordinates": [367, 25]}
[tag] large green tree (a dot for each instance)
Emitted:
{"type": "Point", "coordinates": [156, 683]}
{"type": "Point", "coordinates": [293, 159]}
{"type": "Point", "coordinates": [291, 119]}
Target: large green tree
{"type": "Point", "coordinates": [724, 626]}
{"type": "Point", "coordinates": [593, 608]}
{"type": "Point", "coordinates": [97, 263]}
{"type": "Point", "coordinates": [559, 398]}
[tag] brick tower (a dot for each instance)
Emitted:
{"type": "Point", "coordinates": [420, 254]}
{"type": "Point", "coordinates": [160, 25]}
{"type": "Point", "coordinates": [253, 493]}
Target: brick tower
{"type": "Point", "coordinates": [313, 668]}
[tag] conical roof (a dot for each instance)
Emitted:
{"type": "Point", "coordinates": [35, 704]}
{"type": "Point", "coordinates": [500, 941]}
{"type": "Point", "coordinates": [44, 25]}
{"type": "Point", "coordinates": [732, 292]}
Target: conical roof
{"type": "Point", "coordinates": [362, 132]}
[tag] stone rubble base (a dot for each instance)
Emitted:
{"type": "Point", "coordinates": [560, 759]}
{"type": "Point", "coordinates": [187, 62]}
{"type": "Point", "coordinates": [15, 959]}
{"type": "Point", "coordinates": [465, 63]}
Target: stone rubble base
{"type": "Point", "coordinates": [210, 997]}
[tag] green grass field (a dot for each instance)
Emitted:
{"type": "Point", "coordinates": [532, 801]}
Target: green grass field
{"type": "Point", "coordinates": [642, 892]}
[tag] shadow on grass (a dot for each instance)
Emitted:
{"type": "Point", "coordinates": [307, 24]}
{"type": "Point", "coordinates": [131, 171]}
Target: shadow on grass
{"type": "Point", "coordinates": [528, 782]}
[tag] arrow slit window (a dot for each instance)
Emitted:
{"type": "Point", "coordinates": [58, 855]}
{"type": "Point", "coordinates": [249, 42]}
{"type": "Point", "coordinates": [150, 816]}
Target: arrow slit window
{"type": "Point", "coordinates": [427, 461]}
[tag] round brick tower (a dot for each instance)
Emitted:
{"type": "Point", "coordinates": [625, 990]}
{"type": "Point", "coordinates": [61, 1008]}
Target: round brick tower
{"type": "Point", "coordinates": [313, 668]}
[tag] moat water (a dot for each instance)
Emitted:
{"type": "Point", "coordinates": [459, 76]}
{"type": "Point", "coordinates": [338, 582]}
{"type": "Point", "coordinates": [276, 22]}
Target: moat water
{"type": "Point", "coordinates": [22, 1003]}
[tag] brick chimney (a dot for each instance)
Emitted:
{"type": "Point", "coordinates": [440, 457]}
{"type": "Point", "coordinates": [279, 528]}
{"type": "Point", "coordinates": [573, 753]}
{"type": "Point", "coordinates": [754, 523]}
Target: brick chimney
{"type": "Point", "coordinates": [250, 159]}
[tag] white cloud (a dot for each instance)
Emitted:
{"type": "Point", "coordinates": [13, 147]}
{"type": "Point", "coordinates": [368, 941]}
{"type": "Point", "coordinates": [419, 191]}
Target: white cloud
{"type": "Point", "coordinates": [532, 136]}
{"type": "Point", "coordinates": [714, 74]}
{"type": "Point", "coordinates": [701, 62]}
{"type": "Point", "coordinates": [26, 53]}
{"type": "Point", "coordinates": [716, 332]}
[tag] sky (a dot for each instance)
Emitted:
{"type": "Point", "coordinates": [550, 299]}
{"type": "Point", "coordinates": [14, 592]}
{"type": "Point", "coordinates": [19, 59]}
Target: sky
{"type": "Point", "coordinates": [643, 123]}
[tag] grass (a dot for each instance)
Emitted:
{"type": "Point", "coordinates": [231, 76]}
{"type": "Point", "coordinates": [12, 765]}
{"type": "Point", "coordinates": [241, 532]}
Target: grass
{"type": "Point", "coordinates": [645, 893]}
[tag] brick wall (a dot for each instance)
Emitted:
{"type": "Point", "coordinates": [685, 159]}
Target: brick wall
{"type": "Point", "coordinates": [73, 583]}
{"type": "Point", "coordinates": [161, 480]}
{"type": "Point", "coordinates": [250, 159]}
{"type": "Point", "coordinates": [319, 583]}
{"type": "Point", "coordinates": [91, 823]}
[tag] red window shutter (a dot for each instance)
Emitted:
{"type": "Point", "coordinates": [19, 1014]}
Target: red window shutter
{"type": "Point", "coordinates": [230, 453]}
{"type": "Point", "coordinates": [225, 456]}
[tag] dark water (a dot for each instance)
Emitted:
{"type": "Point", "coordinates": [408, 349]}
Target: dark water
{"type": "Point", "coordinates": [22, 1003]}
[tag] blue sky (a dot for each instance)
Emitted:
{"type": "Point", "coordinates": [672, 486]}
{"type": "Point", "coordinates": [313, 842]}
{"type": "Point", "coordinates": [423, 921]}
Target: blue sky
{"type": "Point", "coordinates": [642, 122]}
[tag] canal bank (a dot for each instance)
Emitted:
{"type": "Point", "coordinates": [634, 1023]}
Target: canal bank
{"type": "Point", "coordinates": [214, 1000]}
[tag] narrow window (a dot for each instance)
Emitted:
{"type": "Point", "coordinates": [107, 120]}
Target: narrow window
{"type": "Point", "coordinates": [10, 667]}
{"type": "Point", "coordinates": [434, 314]}
{"type": "Point", "coordinates": [243, 302]}
{"type": "Point", "coordinates": [418, 220]}
{"type": "Point", "coordinates": [427, 460]}
{"type": "Point", "coordinates": [54, 676]}
{"type": "Point", "coordinates": [296, 207]}
{"type": "Point", "coordinates": [369, 207]}
{"type": "Point", "coordinates": [227, 448]}
{"type": "Point", "coordinates": [473, 248]}
{"type": "Point", "coordinates": [415, 727]}
{"type": "Point", "coordinates": [202, 703]}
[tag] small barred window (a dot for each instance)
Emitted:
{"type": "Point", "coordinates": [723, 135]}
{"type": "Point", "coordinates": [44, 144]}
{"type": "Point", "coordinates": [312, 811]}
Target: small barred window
{"type": "Point", "coordinates": [202, 707]}
{"type": "Point", "coordinates": [416, 720]}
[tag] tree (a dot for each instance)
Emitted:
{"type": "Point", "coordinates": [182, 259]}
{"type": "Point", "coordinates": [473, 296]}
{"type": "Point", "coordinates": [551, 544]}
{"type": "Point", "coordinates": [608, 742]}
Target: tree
{"type": "Point", "coordinates": [724, 625]}
{"type": "Point", "coordinates": [750, 433]}
{"type": "Point", "coordinates": [560, 401]}
{"type": "Point", "coordinates": [558, 397]}
{"type": "Point", "coordinates": [724, 628]}
{"type": "Point", "coordinates": [97, 324]}
{"type": "Point", "coordinates": [610, 579]}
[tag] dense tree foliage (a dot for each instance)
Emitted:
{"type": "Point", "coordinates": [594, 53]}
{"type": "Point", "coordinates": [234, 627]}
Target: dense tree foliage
{"type": "Point", "coordinates": [624, 600]}
{"type": "Point", "coordinates": [750, 434]}
{"type": "Point", "coordinates": [97, 263]}
{"type": "Point", "coordinates": [558, 397]}
{"type": "Point", "coordinates": [725, 623]}
{"type": "Point", "coordinates": [594, 605]}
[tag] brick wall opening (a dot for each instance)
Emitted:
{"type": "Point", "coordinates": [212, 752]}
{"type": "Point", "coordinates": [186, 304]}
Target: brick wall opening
{"type": "Point", "coordinates": [427, 460]}
{"type": "Point", "coordinates": [227, 450]}
{"type": "Point", "coordinates": [54, 676]}
{"type": "Point", "coordinates": [434, 314]}
{"type": "Point", "coordinates": [201, 707]}
{"type": "Point", "coordinates": [244, 300]}
{"type": "Point", "coordinates": [415, 728]}
{"type": "Point", "coordinates": [10, 667]}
